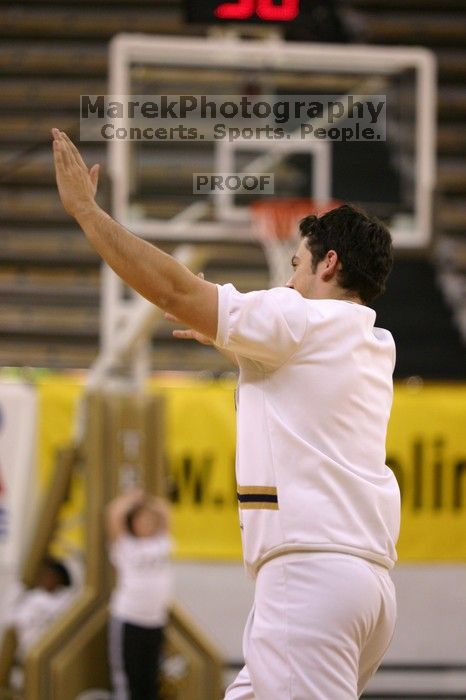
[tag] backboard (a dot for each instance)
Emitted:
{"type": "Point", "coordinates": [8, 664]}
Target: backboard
{"type": "Point", "coordinates": [392, 176]}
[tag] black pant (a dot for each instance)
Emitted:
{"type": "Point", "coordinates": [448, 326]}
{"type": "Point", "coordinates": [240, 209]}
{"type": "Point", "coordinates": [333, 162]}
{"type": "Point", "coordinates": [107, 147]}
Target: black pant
{"type": "Point", "coordinates": [134, 654]}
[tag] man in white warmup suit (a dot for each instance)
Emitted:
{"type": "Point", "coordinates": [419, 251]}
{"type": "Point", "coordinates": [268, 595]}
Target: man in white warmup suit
{"type": "Point", "coordinates": [319, 508]}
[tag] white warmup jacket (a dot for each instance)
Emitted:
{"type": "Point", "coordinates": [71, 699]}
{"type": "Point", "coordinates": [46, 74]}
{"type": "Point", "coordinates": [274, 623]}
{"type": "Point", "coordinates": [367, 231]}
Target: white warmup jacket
{"type": "Point", "coordinates": [314, 399]}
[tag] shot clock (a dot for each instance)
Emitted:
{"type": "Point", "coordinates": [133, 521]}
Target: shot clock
{"type": "Point", "coordinates": [248, 11]}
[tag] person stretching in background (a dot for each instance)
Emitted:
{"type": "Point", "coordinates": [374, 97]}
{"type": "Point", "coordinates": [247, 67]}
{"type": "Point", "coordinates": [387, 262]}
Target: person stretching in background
{"type": "Point", "coordinates": [137, 528]}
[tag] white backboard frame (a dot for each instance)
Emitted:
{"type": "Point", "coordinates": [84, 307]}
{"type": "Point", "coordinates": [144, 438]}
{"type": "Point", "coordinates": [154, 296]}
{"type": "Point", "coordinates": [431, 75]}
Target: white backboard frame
{"type": "Point", "coordinates": [233, 52]}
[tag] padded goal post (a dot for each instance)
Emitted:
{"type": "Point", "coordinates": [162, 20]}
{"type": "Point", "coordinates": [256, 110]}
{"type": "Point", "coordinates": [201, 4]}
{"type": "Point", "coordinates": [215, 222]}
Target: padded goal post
{"type": "Point", "coordinates": [122, 444]}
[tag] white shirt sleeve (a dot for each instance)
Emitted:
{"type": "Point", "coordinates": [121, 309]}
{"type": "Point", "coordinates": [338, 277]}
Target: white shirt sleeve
{"type": "Point", "coordinates": [265, 326]}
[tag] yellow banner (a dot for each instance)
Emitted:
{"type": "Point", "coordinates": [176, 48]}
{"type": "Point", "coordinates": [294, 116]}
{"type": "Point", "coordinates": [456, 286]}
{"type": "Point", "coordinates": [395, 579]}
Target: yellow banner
{"type": "Point", "coordinates": [200, 443]}
{"type": "Point", "coordinates": [426, 448]}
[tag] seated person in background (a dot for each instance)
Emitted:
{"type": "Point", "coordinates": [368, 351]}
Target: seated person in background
{"type": "Point", "coordinates": [35, 609]}
{"type": "Point", "coordinates": [137, 527]}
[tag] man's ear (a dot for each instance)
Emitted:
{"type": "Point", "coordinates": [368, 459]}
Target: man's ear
{"type": "Point", "coordinates": [331, 266]}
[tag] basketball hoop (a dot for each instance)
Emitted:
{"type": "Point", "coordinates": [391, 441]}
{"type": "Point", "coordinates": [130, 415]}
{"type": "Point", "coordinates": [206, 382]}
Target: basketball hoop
{"type": "Point", "coordinates": [275, 223]}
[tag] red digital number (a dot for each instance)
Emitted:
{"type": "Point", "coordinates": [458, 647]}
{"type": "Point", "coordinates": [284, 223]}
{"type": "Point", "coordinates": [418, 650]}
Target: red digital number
{"type": "Point", "coordinates": [244, 9]}
{"type": "Point", "coordinates": [287, 11]}
{"type": "Point", "coordinates": [267, 10]}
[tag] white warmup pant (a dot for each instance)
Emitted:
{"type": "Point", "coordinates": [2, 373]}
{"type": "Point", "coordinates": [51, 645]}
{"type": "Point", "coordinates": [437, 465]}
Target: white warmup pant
{"type": "Point", "coordinates": [318, 629]}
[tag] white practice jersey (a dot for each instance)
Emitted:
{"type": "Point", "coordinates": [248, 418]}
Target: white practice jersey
{"type": "Point", "coordinates": [34, 612]}
{"type": "Point", "coordinates": [314, 399]}
{"type": "Point", "coordinates": [143, 591]}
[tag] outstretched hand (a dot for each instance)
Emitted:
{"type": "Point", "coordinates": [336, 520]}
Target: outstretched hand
{"type": "Point", "coordinates": [189, 333]}
{"type": "Point", "coordinates": [77, 185]}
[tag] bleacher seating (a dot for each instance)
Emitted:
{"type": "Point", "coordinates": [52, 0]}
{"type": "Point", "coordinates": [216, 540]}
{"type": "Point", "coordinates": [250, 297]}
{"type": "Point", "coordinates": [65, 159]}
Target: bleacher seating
{"type": "Point", "coordinates": [50, 53]}
{"type": "Point", "coordinates": [441, 26]}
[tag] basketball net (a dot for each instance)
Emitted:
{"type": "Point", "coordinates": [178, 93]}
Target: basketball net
{"type": "Point", "coordinates": [275, 223]}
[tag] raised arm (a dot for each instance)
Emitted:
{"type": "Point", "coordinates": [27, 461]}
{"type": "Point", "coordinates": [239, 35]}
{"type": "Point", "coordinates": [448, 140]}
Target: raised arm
{"type": "Point", "coordinates": [118, 510]}
{"type": "Point", "coordinates": [155, 275]}
{"type": "Point", "coordinates": [161, 507]}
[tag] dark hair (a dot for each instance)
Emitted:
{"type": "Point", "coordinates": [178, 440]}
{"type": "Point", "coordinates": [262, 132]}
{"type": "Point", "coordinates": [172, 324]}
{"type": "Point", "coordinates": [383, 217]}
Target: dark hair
{"type": "Point", "coordinates": [363, 245]}
{"type": "Point", "coordinates": [59, 569]}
